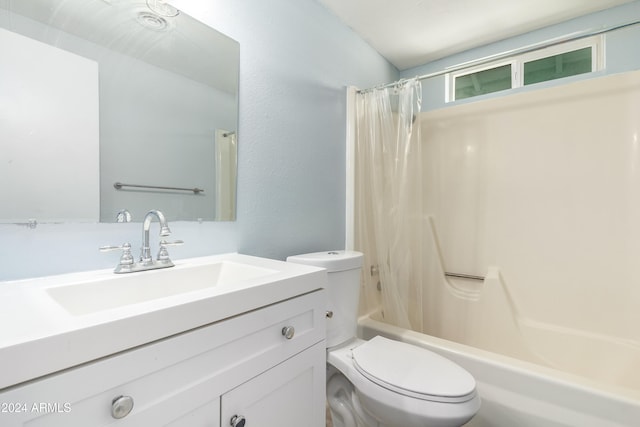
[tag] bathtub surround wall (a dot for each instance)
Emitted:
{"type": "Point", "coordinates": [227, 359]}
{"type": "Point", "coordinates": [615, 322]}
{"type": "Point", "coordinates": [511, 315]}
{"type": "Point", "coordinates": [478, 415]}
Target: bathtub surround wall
{"type": "Point", "coordinates": [539, 192]}
{"type": "Point", "coordinates": [296, 59]}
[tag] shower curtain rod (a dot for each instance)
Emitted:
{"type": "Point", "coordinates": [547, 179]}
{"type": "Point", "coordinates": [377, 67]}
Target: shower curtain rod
{"type": "Point", "coordinates": [506, 54]}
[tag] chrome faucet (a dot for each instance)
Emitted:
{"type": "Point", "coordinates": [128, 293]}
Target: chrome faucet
{"type": "Point", "coordinates": [145, 252]}
{"type": "Point", "coordinates": [146, 261]}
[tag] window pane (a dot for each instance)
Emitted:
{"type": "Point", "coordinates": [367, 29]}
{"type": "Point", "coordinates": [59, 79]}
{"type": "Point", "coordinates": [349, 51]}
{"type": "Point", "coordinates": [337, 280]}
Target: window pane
{"type": "Point", "coordinates": [487, 81]}
{"type": "Point", "coordinates": [558, 66]}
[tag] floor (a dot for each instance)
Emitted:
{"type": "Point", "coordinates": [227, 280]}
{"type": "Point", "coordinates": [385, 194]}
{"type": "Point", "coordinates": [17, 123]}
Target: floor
{"type": "Point", "coordinates": [329, 423]}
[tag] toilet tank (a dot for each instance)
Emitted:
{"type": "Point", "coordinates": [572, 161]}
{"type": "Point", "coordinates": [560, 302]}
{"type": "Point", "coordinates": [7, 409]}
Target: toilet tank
{"type": "Point", "coordinates": [343, 272]}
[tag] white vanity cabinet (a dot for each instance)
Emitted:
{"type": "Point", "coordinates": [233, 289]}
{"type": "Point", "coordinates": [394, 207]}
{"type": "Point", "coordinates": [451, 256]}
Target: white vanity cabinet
{"type": "Point", "coordinates": [265, 367]}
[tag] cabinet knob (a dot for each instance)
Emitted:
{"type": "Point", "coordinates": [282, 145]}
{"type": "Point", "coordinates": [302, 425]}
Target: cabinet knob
{"type": "Point", "coordinates": [237, 421]}
{"type": "Point", "coordinates": [288, 332]}
{"type": "Point", "coordinates": [121, 406]}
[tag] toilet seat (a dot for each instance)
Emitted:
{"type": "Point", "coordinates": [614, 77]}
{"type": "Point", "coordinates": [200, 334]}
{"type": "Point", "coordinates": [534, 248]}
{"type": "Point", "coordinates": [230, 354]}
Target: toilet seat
{"type": "Point", "coordinates": [396, 402]}
{"type": "Point", "coordinates": [413, 371]}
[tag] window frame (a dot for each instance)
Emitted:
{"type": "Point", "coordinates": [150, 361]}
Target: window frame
{"type": "Point", "coordinates": [466, 72]}
{"type": "Point", "coordinates": [517, 62]}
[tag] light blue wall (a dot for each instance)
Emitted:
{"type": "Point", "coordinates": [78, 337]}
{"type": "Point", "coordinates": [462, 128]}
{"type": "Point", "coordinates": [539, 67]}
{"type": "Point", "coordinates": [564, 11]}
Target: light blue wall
{"type": "Point", "coordinates": [296, 60]}
{"type": "Point", "coordinates": [622, 52]}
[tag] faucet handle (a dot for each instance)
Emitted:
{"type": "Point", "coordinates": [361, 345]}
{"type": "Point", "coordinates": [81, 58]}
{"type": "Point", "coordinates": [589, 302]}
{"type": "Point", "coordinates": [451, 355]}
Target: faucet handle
{"type": "Point", "coordinates": [126, 260]}
{"type": "Point", "coordinates": [163, 253]}
{"type": "Point", "coordinates": [123, 216]}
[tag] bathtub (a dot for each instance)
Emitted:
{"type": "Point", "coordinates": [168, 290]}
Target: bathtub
{"type": "Point", "coordinates": [517, 393]}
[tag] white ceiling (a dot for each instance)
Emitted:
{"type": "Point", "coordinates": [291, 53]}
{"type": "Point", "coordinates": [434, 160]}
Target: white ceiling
{"type": "Point", "coordinates": [414, 32]}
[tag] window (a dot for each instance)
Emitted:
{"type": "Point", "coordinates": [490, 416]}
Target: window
{"type": "Point", "coordinates": [555, 62]}
{"type": "Point", "coordinates": [485, 81]}
{"type": "Point", "coordinates": [558, 66]}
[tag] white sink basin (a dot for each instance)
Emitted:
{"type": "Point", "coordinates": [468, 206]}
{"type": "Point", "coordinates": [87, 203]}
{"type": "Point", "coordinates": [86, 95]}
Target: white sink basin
{"type": "Point", "coordinates": [79, 317]}
{"type": "Point", "coordinates": [121, 290]}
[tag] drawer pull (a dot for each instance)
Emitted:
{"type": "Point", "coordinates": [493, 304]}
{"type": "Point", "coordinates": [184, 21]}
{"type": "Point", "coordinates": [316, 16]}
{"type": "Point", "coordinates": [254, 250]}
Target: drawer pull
{"type": "Point", "coordinates": [237, 421]}
{"type": "Point", "coordinates": [121, 406]}
{"type": "Point", "coordinates": [288, 332]}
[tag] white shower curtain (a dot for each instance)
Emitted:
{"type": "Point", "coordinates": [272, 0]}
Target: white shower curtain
{"type": "Point", "coordinates": [388, 200]}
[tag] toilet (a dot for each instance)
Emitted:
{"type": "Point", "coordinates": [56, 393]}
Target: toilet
{"type": "Point", "coordinates": [382, 382]}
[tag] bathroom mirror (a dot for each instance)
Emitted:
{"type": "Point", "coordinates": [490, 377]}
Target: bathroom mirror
{"type": "Point", "coordinates": [108, 105]}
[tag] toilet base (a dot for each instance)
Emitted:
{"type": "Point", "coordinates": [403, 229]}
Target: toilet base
{"type": "Point", "coordinates": [344, 403]}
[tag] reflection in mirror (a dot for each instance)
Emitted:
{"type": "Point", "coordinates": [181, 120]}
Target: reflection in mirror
{"type": "Point", "coordinates": [108, 105]}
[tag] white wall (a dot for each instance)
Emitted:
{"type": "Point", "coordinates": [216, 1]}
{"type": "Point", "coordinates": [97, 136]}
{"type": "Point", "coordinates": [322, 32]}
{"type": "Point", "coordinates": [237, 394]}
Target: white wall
{"type": "Point", "coordinates": [296, 59]}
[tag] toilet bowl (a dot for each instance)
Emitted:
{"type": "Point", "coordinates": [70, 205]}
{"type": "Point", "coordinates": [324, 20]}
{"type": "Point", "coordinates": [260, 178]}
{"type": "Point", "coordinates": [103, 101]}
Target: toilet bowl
{"type": "Point", "coordinates": [381, 382]}
{"type": "Point", "coordinates": [398, 384]}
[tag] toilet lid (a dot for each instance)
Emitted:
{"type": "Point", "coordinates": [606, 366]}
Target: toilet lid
{"type": "Point", "coordinates": [413, 371]}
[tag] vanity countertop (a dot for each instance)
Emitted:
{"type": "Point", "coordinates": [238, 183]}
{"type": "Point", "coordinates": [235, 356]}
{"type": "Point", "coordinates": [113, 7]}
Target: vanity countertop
{"type": "Point", "coordinates": [39, 335]}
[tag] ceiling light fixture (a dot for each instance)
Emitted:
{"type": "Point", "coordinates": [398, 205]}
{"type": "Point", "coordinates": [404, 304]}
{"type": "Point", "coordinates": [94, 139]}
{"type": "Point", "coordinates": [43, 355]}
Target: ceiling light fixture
{"type": "Point", "coordinates": [162, 8]}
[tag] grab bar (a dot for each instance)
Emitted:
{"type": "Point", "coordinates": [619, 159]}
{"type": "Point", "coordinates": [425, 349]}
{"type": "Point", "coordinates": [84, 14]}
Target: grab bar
{"type": "Point", "coordinates": [464, 276]}
{"type": "Point", "coordinates": [119, 185]}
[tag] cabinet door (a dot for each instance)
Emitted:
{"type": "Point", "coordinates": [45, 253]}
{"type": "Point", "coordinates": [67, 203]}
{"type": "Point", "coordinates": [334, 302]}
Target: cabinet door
{"type": "Point", "coordinates": [291, 394]}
